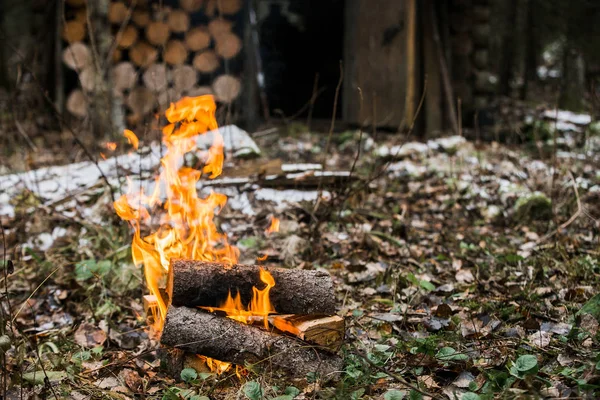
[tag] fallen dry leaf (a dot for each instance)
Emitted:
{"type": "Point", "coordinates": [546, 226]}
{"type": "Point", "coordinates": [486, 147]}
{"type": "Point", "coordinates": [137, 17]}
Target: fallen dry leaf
{"type": "Point", "coordinates": [88, 335]}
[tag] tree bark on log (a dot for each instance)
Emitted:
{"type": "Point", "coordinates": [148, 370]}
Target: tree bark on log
{"type": "Point", "coordinates": [222, 338]}
{"type": "Point", "coordinates": [296, 291]}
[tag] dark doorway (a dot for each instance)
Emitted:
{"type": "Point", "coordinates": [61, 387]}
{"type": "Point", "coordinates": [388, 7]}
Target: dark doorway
{"type": "Point", "coordinates": [301, 41]}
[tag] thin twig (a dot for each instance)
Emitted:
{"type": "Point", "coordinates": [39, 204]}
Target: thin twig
{"type": "Point", "coordinates": [562, 226]}
{"type": "Point", "coordinates": [394, 376]}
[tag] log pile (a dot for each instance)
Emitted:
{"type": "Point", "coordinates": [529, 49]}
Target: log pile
{"type": "Point", "coordinates": [167, 51]}
{"type": "Point", "coordinates": [301, 337]}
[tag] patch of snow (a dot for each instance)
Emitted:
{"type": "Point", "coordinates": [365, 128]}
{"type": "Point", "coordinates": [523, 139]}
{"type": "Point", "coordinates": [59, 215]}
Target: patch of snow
{"type": "Point", "coordinates": [402, 150]}
{"type": "Point", "coordinates": [235, 140]}
{"type": "Point", "coordinates": [407, 168]}
{"type": "Point", "coordinates": [568, 116]}
{"type": "Point", "coordinates": [300, 167]}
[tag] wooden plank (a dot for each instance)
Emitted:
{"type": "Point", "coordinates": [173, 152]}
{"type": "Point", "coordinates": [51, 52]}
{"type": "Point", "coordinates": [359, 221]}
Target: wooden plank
{"type": "Point", "coordinates": [375, 61]}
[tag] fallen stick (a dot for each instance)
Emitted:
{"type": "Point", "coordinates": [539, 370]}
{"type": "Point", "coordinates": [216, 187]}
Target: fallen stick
{"type": "Point", "coordinates": [198, 283]}
{"type": "Point", "coordinates": [198, 332]}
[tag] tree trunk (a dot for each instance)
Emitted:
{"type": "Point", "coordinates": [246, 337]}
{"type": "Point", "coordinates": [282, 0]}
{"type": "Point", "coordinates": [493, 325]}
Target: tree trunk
{"type": "Point", "coordinates": [101, 110]}
{"type": "Point", "coordinates": [508, 49]}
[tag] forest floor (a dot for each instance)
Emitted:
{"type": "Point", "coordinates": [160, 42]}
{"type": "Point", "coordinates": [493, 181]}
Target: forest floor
{"type": "Point", "coordinates": [463, 271]}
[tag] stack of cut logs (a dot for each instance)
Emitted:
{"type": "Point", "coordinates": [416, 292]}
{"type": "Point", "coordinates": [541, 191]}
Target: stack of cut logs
{"type": "Point", "coordinates": [158, 54]}
{"type": "Point", "coordinates": [302, 337]}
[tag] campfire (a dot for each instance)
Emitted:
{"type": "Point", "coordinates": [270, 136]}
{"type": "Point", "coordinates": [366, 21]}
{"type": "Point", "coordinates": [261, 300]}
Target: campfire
{"type": "Point", "coordinates": [201, 301]}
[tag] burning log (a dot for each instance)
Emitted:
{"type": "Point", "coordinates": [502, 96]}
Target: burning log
{"type": "Point", "coordinates": [198, 283]}
{"type": "Point", "coordinates": [224, 339]}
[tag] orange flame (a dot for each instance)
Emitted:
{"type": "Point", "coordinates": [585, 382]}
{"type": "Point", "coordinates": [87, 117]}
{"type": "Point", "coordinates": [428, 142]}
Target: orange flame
{"type": "Point", "coordinates": [187, 224]}
{"type": "Point", "coordinates": [274, 226]}
{"type": "Point", "coordinates": [112, 146]}
{"type": "Point", "coordinates": [131, 138]}
{"type": "Point", "coordinates": [260, 305]}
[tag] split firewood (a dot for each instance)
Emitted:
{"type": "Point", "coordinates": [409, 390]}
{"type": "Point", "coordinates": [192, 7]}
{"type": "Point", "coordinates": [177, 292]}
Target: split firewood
{"type": "Point", "coordinates": [77, 55]}
{"type": "Point", "coordinates": [157, 33]}
{"type": "Point", "coordinates": [77, 103]}
{"type": "Point", "coordinates": [227, 88]}
{"type": "Point", "coordinates": [324, 330]}
{"type": "Point", "coordinates": [117, 12]}
{"type": "Point", "coordinates": [123, 76]}
{"type": "Point", "coordinates": [73, 31]}
{"type": "Point", "coordinates": [219, 26]}
{"type": "Point", "coordinates": [175, 52]}
{"type": "Point", "coordinates": [228, 45]}
{"type": "Point", "coordinates": [206, 62]}
{"type": "Point", "coordinates": [197, 332]}
{"type": "Point", "coordinates": [191, 6]}
{"type": "Point", "coordinates": [197, 39]}
{"type": "Point", "coordinates": [198, 91]}
{"type": "Point", "coordinates": [141, 101]}
{"type": "Point", "coordinates": [178, 21]}
{"type": "Point", "coordinates": [155, 77]}
{"type": "Point", "coordinates": [87, 78]}
{"type": "Point", "coordinates": [184, 77]}
{"type": "Point", "coordinates": [141, 18]}
{"type": "Point", "coordinates": [296, 291]}
{"type": "Point", "coordinates": [142, 54]}
{"type": "Point", "coordinates": [127, 37]}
